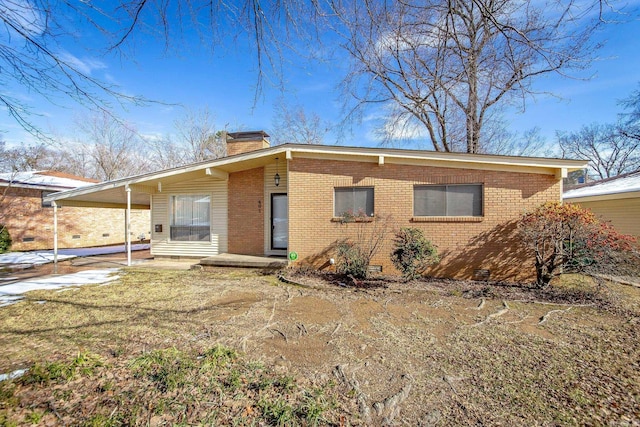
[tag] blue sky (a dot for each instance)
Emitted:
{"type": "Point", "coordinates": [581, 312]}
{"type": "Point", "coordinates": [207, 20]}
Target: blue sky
{"type": "Point", "coordinates": [191, 76]}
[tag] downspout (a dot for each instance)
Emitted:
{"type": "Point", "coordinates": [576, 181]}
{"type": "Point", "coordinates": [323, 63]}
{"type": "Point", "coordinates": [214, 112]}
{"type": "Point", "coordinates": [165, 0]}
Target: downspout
{"type": "Point", "coordinates": [55, 237]}
{"type": "Point", "coordinates": [128, 225]}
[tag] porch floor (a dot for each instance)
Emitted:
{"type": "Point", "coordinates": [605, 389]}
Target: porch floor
{"type": "Point", "coordinates": [246, 261]}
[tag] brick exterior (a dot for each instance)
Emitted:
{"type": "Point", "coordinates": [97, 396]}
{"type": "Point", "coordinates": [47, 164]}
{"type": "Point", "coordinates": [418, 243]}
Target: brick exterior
{"type": "Point", "coordinates": [465, 245]}
{"type": "Point", "coordinates": [239, 147]}
{"type": "Point", "coordinates": [22, 212]}
{"type": "Point", "coordinates": [246, 212]}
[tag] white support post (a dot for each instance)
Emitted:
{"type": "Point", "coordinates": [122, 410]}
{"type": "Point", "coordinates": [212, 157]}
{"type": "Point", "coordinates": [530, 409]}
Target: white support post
{"type": "Point", "coordinates": [55, 237]}
{"type": "Point", "coordinates": [128, 225]}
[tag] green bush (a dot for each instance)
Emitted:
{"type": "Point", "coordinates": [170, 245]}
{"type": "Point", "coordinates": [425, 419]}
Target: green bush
{"type": "Point", "coordinates": [352, 260]}
{"type": "Point", "coordinates": [5, 239]}
{"type": "Point", "coordinates": [412, 252]}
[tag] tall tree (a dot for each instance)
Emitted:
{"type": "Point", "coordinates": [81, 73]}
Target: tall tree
{"type": "Point", "coordinates": [295, 125]}
{"type": "Point", "coordinates": [107, 149]}
{"type": "Point", "coordinates": [42, 51]}
{"type": "Point", "coordinates": [630, 118]}
{"type": "Point", "coordinates": [434, 60]}
{"type": "Point", "coordinates": [198, 136]}
{"type": "Point", "coordinates": [30, 158]}
{"type": "Point", "coordinates": [609, 150]}
{"type": "Point", "coordinates": [440, 63]}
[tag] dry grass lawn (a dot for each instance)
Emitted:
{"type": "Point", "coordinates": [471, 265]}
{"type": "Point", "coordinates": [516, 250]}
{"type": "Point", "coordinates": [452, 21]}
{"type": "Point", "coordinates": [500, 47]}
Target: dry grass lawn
{"type": "Point", "coordinates": [233, 346]}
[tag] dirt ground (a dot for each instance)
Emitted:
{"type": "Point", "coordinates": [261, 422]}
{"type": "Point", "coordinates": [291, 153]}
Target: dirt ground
{"type": "Point", "coordinates": [419, 353]}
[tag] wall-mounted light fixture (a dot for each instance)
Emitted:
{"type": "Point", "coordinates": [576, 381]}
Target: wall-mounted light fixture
{"type": "Point", "coordinates": [276, 177]}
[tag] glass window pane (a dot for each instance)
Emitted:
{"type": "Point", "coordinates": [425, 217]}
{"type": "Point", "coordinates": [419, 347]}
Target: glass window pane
{"type": "Point", "coordinates": [190, 218]}
{"type": "Point", "coordinates": [353, 201]}
{"type": "Point", "coordinates": [429, 201]}
{"type": "Point", "coordinates": [343, 201]}
{"type": "Point", "coordinates": [464, 200]}
{"type": "Point", "coordinates": [447, 200]}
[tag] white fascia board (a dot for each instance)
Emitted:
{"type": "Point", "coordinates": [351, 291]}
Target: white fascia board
{"type": "Point", "coordinates": [400, 154]}
{"type": "Point", "coordinates": [413, 156]}
{"type": "Point", "coordinates": [374, 154]}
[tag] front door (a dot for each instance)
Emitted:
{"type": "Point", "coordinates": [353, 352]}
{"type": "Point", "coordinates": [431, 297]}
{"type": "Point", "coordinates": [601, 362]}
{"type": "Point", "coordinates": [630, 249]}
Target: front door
{"type": "Point", "coordinates": [279, 222]}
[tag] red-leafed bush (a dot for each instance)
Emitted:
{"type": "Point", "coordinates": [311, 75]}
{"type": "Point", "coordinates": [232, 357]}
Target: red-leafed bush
{"type": "Point", "coordinates": [569, 238]}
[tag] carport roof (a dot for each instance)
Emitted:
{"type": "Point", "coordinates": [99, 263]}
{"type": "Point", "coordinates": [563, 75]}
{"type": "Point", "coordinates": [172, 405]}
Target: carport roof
{"type": "Point", "coordinates": [114, 194]}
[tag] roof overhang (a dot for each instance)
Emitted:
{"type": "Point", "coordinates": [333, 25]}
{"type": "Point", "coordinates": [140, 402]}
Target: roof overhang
{"type": "Point", "coordinates": [14, 184]}
{"type": "Point", "coordinates": [114, 193]}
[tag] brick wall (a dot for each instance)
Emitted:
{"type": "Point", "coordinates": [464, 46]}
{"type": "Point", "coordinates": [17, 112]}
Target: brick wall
{"type": "Point", "coordinates": [246, 212]}
{"type": "Point", "coordinates": [465, 245]}
{"type": "Point", "coordinates": [239, 147]}
{"type": "Point", "coordinates": [31, 226]}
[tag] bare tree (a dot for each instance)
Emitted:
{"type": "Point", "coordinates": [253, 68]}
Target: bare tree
{"type": "Point", "coordinates": [630, 119]}
{"type": "Point", "coordinates": [34, 35]}
{"type": "Point", "coordinates": [163, 152]}
{"type": "Point", "coordinates": [107, 149]}
{"type": "Point", "coordinates": [30, 158]}
{"type": "Point", "coordinates": [293, 124]}
{"type": "Point", "coordinates": [439, 64]}
{"type": "Point", "coordinates": [32, 56]}
{"type": "Point", "coordinates": [500, 140]}
{"type": "Point", "coordinates": [197, 135]}
{"type": "Point", "coordinates": [434, 60]}
{"type": "Point", "coordinates": [610, 152]}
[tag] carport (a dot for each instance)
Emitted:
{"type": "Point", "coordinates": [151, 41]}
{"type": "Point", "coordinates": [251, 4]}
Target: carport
{"type": "Point", "coordinates": [126, 193]}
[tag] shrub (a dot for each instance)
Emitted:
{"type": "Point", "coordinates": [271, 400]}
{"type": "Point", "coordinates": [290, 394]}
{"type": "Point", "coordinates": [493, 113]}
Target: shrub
{"type": "Point", "coordinates": [366, 236]}
{"type": "Point", "coordinates": [412, 252]}
{"type": "Point", "coordinates": [352, 260]}
{"type": "Point", "coordinates": [569, 238]}
{"type": "Point", "coordinates": [5, 239]}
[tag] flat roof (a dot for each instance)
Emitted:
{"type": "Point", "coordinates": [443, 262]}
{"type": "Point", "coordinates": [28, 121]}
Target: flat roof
{"type": "Point", "coordinates": [618, 185]}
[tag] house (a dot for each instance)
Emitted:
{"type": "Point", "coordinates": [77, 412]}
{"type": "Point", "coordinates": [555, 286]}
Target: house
{"type": "Point", "coordinates": [615, 199]}
{"type": "Point", "coordinates": [289, 200]}
{"type": "Point", "coordinates": [29, 218]}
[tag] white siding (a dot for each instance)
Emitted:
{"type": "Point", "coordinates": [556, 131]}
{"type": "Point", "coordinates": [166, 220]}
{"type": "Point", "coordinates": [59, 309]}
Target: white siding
{"type": "Point", "coordinates": [270, 188]}
{"type": "Point", "coordinates": [160, 243]}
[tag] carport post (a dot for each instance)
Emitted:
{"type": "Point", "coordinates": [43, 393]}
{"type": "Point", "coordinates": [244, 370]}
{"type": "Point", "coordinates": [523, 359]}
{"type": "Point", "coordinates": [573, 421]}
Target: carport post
{"type": "Point", "coordinates": [55, 237]}
{"type": "Point", "coordinates": [128, 226]}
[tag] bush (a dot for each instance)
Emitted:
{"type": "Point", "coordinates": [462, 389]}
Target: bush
{"type": "Point", "coordinates": [352, 260]}
{"type": "Point", "coordinates": [412, 252]}
{"type": "Point", "coordinates": [569, 238]}
{"type": "Point", "coordinates": [5, 239]}
{"type": "Point", "coordinates": [366, 235]}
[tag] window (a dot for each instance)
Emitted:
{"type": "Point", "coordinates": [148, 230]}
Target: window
{"type": "Point", "coordinates": [353, 200]}
{"type": "Point", "coordinates": [190, 218]}
{"type": "Point", "coordinates": [447, 200]}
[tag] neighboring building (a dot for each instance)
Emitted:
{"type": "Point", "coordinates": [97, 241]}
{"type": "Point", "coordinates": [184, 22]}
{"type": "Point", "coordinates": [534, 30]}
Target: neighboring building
{"type": "Point", "coordinates": [615, 199]}
{"type": "Point", "coordinates": [289, 199]}
{"type": "Point", "coordinates": [30, 220]}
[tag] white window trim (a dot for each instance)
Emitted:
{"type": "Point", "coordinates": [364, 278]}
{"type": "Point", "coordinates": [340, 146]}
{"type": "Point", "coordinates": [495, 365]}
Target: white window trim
{"type": "Point", "coordinates": [170, 217]}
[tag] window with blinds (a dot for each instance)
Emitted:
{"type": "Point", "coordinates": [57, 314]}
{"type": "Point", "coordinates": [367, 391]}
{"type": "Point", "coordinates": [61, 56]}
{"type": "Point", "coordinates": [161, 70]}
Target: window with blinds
{"type": "Point", "coordinates": [353, 201]}
{"type": "Point", "coordinates": [447, 200]}
{"type": "Point", "coordinates": [190, 218]}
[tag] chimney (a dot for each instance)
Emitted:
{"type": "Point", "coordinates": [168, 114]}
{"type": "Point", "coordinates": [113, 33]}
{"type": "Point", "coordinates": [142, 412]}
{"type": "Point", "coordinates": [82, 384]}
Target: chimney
{"type": "Point", "coordinates": [244, 142]}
